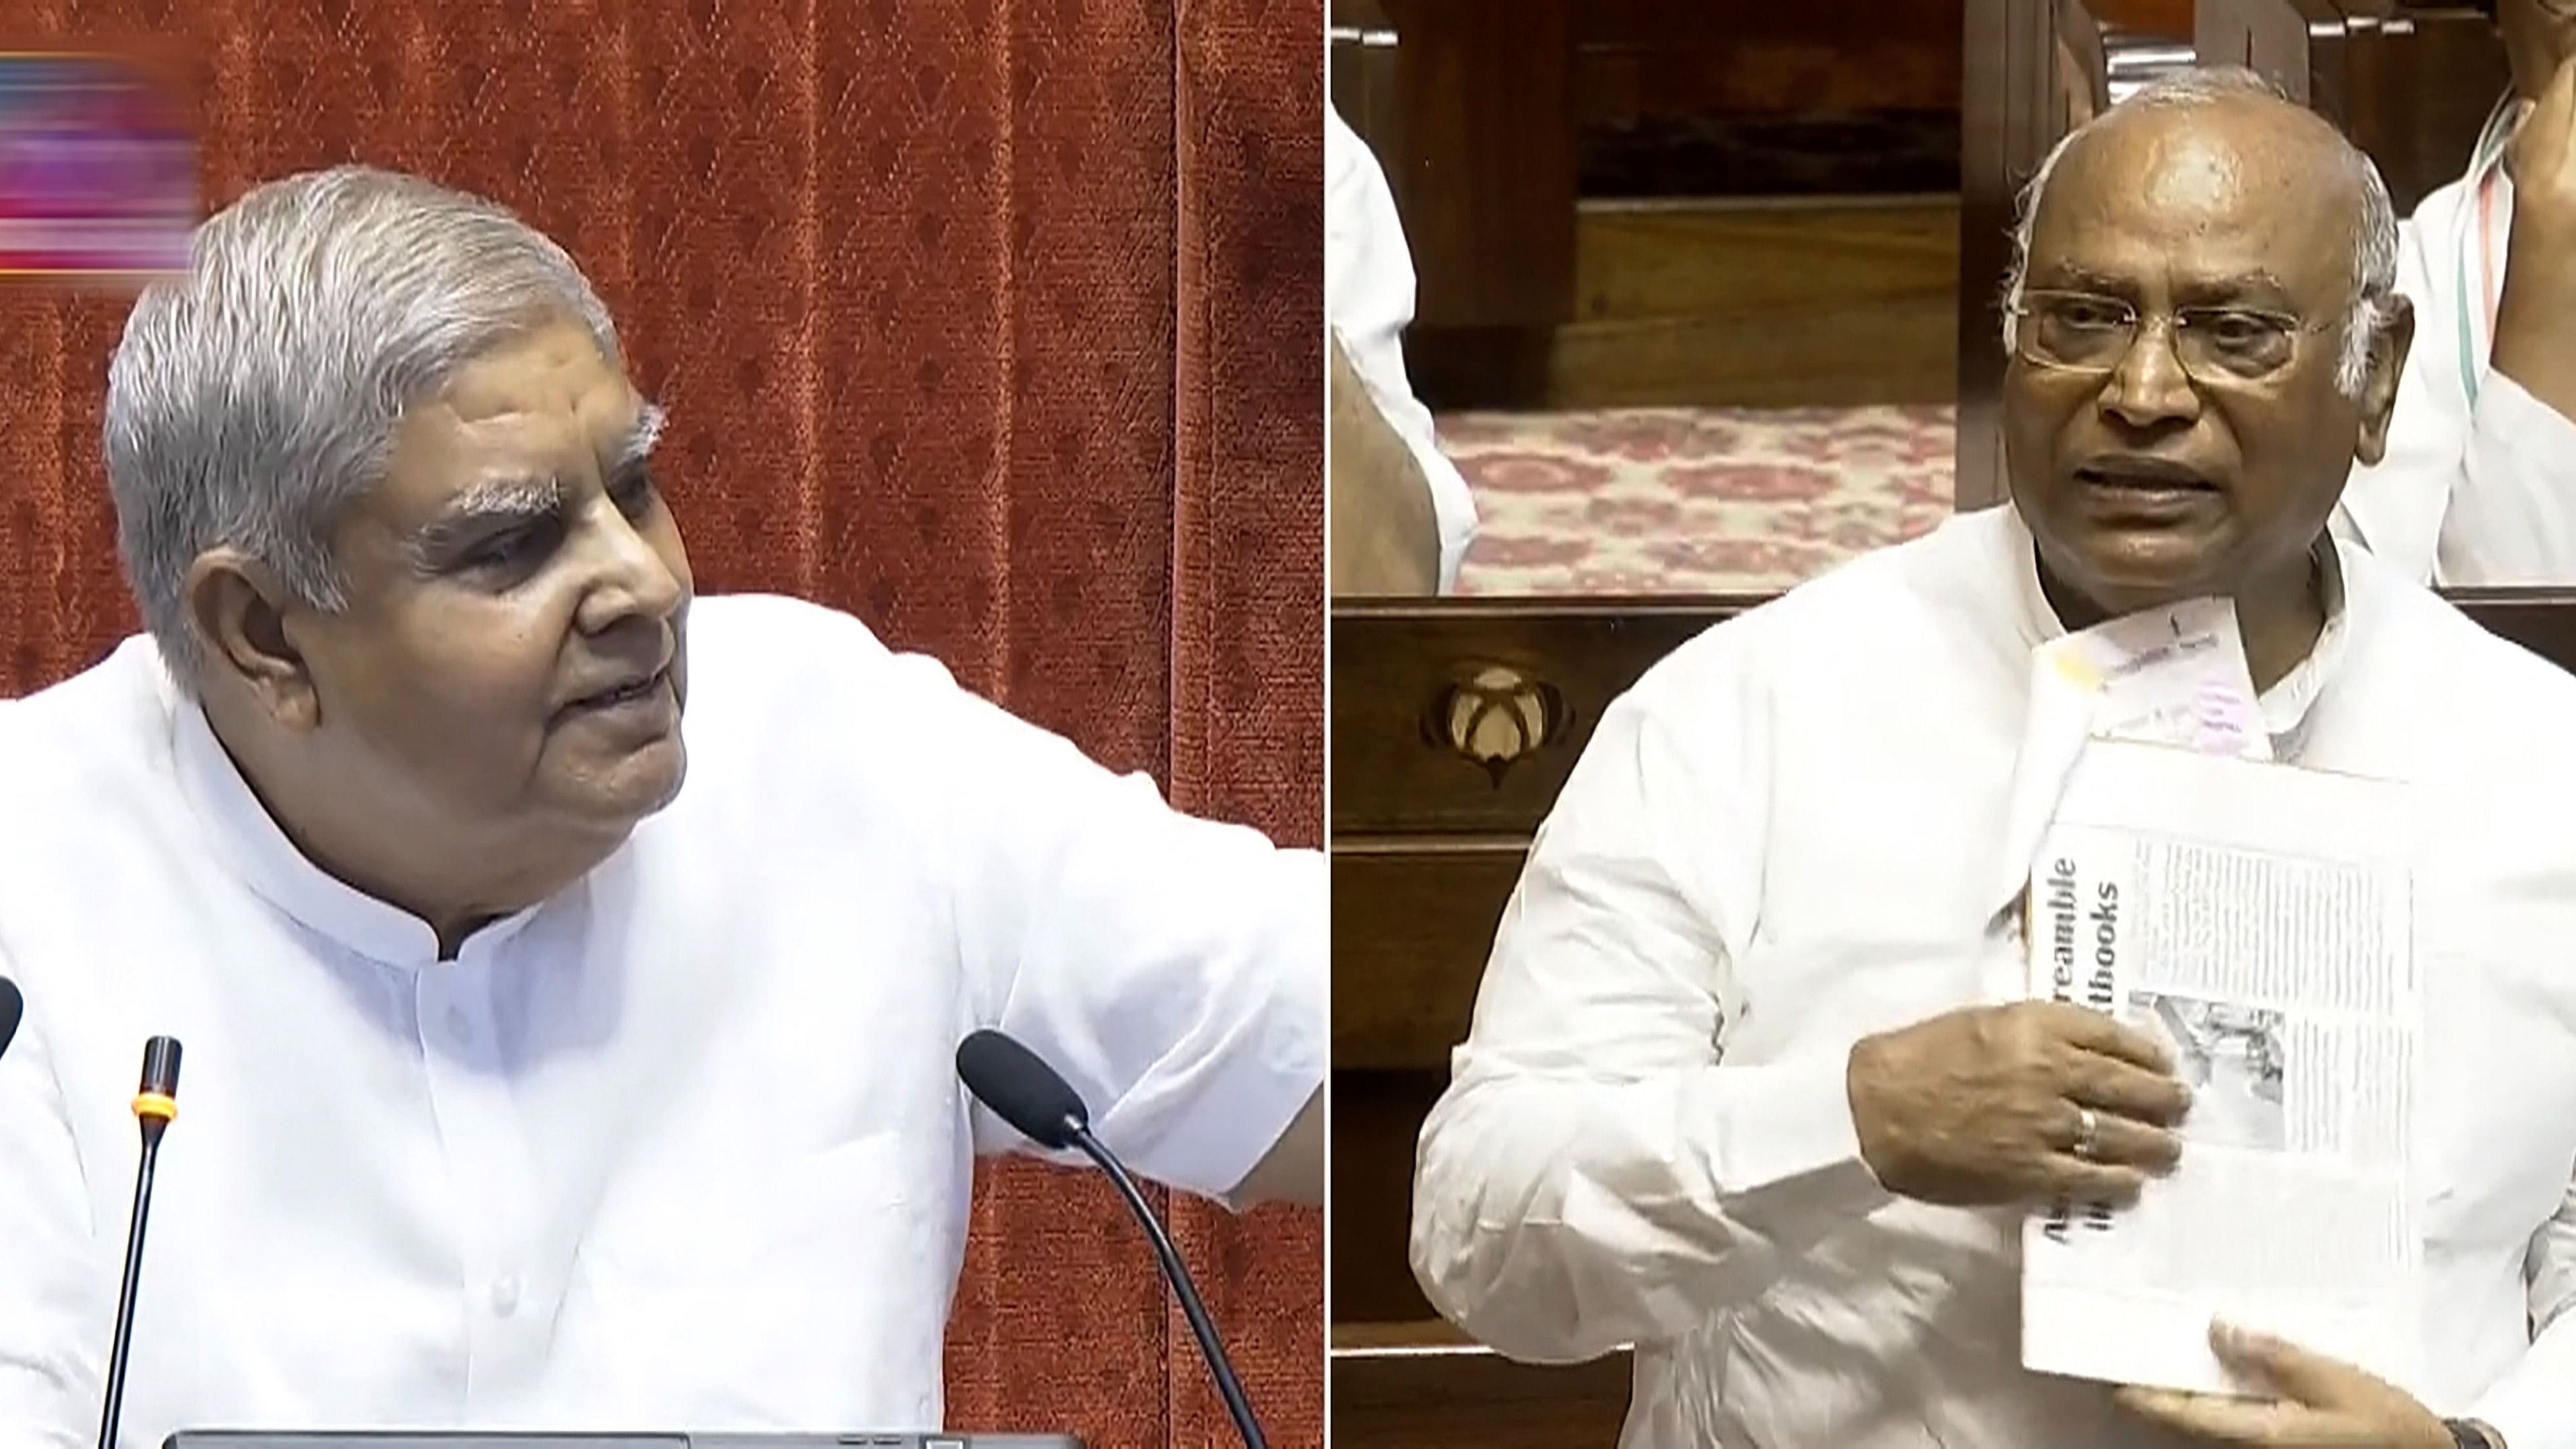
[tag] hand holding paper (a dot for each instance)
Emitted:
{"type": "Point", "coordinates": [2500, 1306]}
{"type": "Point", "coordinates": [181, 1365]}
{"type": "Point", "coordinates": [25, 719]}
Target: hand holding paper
{"type": "Point", "coordinates": [2316, 1401]}
{"type": "Point", "coordinates": [1993, 1104]}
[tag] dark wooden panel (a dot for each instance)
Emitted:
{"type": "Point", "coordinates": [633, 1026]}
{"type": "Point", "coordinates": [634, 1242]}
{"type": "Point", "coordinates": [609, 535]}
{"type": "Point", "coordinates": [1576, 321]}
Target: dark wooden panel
{"type": "Point", "coordinates": [1829, 301]}
{"type": "Point", "coordinates": [2269, 37]}
{"type": "Point", "coordinates": [1725, 259]}
{"type": "Point", "coordinates": [2540, 620]}
{"type": "Point", "coordinates": [1625, 83]}
{"type": "Point", "coordinates": [1404, 674]}
{"type": "Point", "coordinates": [1689, 58]}
{"type": "Point", "coordinates": [1676, 98]}
{"type": "Point", "coordinates": [1801, 302]}
{"type": "Point", "coordinates": [1404, 988]}
{"type": "Point", "coordinates": [1377, 1117]}
{"type": "Point", "coordinates": [2416, 101]}
{"type": "Point", "coordinates": [1417, 1386]}
{"type": "Point", "coordinates": [1465, 369]}
{"type": "Point", "coordinates": [1691, 23]}
{"type": "Point", "coordinates": [1412, 919]}
{"type": "Point", "coordinates": [2008, 114]}
{"type": "Point", "coordinates": [1871, 353]}
{"type": "Point", "coordinates": [2411, 84]}
{"type": "Point", "coordinates": [1479, 151]}
{"type": "Point", "coordinates": [1360, 69]}
{"type": "Point", "coordinates": [1792, 154]}
{"type": "Point", "coordinates": [2171, 18]}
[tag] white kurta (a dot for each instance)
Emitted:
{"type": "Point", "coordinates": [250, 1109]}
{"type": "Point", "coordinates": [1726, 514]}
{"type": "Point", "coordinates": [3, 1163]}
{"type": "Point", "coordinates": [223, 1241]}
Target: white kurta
{"type": "Point", "coordinates": [1368, 301]}
{"type": "Point", "coordinates": [1790, 834]}
{"type": "Point", "coordinates": [2479, 484]}
{"type": "Point", "coordinates": [682, 1147]}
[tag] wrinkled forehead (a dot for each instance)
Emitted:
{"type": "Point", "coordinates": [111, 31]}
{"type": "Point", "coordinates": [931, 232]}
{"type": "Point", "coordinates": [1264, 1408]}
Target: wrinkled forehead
{"type": "Point", "coordinates": [548, 390]}
{"type": "Point", "coordinates": [520, 418]}
{"type": "Point", "coordinates": [2200, 205]}
{"type": "Point", "coordinates": [552, 370]}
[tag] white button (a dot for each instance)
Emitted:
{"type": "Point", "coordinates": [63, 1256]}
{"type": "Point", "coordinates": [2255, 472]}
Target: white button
{"type": "Point", "coordinates": [505, 1295]}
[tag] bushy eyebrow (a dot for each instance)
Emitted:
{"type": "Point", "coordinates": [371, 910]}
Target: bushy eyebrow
{"type": "Point", "coordinates": [516, 499]}
{"type": "Point", "coordinates": [639, 441]}
{"type": "Point", "coordinates": [486, 506]}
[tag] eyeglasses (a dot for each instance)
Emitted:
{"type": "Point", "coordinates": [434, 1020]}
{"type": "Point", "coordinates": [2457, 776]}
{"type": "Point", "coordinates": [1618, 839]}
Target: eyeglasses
{"type": "Point", "coordinates": [2082, 332]}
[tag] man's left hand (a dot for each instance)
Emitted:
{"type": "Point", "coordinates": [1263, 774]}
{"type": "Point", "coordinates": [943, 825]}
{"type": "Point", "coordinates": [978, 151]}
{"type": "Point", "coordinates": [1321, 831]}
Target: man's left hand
{"type": "Point", "coordinates": [2317, 1403]}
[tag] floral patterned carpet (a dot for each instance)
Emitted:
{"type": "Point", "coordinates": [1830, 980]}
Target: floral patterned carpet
{"type": "Point", "coordinates": [1660, 501]}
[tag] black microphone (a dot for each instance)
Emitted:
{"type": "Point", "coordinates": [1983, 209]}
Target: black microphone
{"type": "Point", "coordinates": [156, 1105]}
{"type": "Point", "coordinates": [1043, 1107]}
{"type": "Point", "coordinates": [12, 1008]}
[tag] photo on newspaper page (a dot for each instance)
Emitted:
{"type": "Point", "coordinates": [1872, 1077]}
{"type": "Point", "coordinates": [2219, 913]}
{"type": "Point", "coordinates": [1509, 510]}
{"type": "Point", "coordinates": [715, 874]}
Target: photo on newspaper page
{"type": "Point", "coordinates": [2258, 918]}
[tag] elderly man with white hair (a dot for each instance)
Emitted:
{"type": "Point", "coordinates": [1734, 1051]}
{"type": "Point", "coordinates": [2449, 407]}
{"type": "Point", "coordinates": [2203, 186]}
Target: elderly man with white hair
{"type": "Point", "coordinates": [528, 1086]}
{"type": "Point", "coordinates": [1749, 1085]}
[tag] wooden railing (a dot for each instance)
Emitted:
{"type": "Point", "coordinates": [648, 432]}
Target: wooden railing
{"type": "Point", "coordinates": [1421, 1385]}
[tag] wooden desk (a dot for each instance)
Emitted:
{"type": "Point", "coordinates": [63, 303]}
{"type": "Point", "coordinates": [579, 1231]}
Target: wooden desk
{"type": "Point", "coordinates": [1421, 1385]}
{"type": "Point", "coordinates": [1454, 725]}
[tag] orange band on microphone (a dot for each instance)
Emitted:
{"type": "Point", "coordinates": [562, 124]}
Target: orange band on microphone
{"type": "Point", "coordinates": [156, 1104]}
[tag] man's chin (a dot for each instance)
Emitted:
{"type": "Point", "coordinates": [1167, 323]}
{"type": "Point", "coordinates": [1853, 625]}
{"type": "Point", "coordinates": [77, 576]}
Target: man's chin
{"type": "Point", "coordinates": [661, 770]}
{"type": "Point", "coordinates": [635, 787]}
{"type": "Point", "coordinates": [2127, 571]}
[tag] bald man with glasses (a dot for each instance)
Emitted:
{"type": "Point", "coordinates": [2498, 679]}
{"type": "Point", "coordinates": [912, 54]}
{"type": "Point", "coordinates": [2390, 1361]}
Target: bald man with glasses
{"type": "Point", "coordinates": [1749, 1086]}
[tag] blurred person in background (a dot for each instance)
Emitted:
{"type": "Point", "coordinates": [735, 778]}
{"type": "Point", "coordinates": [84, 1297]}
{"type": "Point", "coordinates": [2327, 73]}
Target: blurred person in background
{"type": "Point", "coordinates": [2479, 482]}
{"type": "Point", "coordinates": [1401, 516]}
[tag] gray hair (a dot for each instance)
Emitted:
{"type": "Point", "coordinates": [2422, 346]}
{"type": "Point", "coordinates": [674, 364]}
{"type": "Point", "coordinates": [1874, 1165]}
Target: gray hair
{"type": "Point", "coordinates": [254, 396]}
{"type": "Point", "coordinates": [2374, 247]}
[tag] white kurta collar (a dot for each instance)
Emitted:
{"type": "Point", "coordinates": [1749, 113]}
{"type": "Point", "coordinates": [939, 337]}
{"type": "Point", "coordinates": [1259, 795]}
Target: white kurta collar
{"type": "Point", "coordinates": [243, 834]}
{"type": "Point", "coordinates": [2285, 705]}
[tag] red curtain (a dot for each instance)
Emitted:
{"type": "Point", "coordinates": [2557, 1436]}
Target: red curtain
{"type": "Point", "coordinates": [991, 321]}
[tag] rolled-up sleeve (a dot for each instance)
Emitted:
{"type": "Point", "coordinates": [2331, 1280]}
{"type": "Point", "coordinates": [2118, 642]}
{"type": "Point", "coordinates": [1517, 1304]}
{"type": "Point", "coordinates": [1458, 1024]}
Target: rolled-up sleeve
{"type": "Point", "coordinates": [1597, 1173]}
{"type": "Point", "coordinates": [1174, 969]}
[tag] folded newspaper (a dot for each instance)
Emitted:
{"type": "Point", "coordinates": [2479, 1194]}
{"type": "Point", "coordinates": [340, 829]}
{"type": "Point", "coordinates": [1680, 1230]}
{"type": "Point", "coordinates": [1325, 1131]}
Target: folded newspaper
{"type": "Point", "coordinates": [2258, 918]}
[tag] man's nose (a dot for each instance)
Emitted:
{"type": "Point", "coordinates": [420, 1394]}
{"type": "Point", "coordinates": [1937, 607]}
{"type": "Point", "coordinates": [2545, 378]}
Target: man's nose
{"type": "Point", "coordinates": [2149, 386]}
{"type": "Point", "coordinates": [634, 578]}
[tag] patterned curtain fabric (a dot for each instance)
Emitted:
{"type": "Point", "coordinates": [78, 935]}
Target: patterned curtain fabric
{"type": "Point", "coordinates": [991, 321]}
